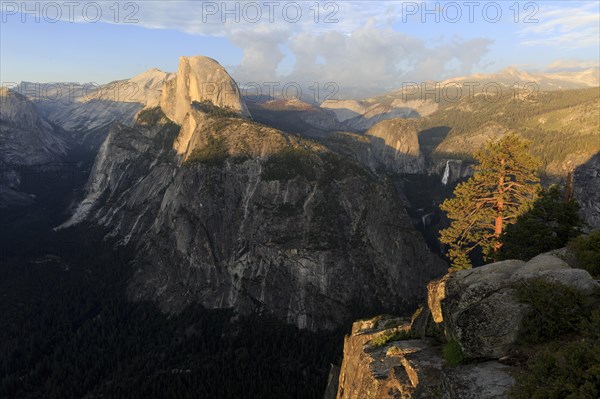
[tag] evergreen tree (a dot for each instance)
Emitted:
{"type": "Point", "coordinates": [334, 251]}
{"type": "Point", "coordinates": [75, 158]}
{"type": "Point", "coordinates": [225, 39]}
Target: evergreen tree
{"type": "Point", "coordinates": [550, 224]}
{"type": "Point", "coordinates": [586, 249]}
{"type": "Point", "coordinates": [502, 188]}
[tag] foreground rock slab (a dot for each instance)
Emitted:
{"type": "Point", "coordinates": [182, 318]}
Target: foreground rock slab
{"type": "Point", "coordinates": [412, 369]}
{"type": "Point", "coordinates": [479, 308]}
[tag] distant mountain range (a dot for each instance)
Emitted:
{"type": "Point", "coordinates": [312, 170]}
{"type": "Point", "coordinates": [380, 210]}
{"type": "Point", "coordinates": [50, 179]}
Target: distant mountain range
{"type": "Point", "coordinates": [545, 81]}
{"type": "Point", "coordinates": [88, 110]}
{"type": "Point", "coordinates": [451, 122]}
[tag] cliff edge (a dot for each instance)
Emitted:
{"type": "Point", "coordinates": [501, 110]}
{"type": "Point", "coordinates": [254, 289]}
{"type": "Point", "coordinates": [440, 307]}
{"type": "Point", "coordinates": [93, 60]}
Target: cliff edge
{"type": "Point", "coordinates": [468, 341]}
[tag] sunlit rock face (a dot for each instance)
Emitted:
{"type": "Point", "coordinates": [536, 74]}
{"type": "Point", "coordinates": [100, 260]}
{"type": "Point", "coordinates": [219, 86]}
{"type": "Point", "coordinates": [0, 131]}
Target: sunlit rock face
{"type": "Point", "coordinates": [198, 79]}
{"type": "Point", "coordinates": [412, 368]}
{"type": "Point", "coordinates": [395, 144]}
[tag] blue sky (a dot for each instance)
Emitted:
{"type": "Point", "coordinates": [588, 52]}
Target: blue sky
{"type": "Point", "coordinates": [370, 44]}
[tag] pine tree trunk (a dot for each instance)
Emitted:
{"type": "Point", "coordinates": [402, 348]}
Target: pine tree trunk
{"type": "Point", "coordinates": [498, 224]}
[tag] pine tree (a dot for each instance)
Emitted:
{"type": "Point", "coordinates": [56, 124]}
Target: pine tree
{"type": "Point", "coordinates": [503, 187]}
{"type": "Point", "coordinates": [549, 224]}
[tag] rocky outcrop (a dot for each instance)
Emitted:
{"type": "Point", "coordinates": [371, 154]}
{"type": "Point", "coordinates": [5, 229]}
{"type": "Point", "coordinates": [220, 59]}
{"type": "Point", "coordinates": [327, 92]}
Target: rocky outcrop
{"type": "Point", "coordinates": [479, 308]}
{"type": "Point", "coordinates": [476, 309]}
{"type": "Point", "coordinates": [412, 369]}
{"type": "Point", "coordinates": [486, 380]}
{"type": "Point", "coordinates": [586, 191]}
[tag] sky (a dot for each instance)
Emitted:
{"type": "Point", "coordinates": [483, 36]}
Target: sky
{"type": "Point", "coordinates": [375, 45]}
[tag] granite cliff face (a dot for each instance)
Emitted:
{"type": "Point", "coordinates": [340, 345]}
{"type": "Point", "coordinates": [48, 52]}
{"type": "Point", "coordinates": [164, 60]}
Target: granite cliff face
{"type": "Point", "coordinates": [26, 140]}
{"type": "Point", "coordinates": [587, 191]}
{"type": "Point", "coordinates": [199, 79]}
{"type": "Point", "coordinates": [391, 146]}
{"type": "Point", "coordinates": [275, 225]}
{"type": "Point", "coordinates": [395, 144]}
{"type": "Point", "coordinates": [229, 213]}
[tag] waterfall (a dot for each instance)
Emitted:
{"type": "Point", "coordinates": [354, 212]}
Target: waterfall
{"type": "Point", "coordinates": [446, 173]}
{"type": "Point", "coordinates": [424, 221]}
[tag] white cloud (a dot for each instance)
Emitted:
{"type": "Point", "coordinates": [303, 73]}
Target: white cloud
{"type": "Point", "coordinates": [262, 53]}
{"type": "Point", "coordinates": [350, 43]}
{"type": "Point", "coordinates": [572, 64]}
{"type": "Point", "coordinates": [573, 26]}
{"type": "Point", "coordinates": [226, 18]}
{"type": "Point", "coordinates": [380, 58]}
